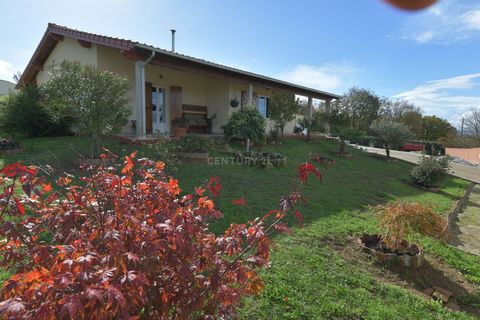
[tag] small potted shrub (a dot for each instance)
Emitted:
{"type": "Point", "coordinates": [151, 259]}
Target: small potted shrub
{"type": "Point", "coordinates": [398, 222]}
{"type": "Point", "coordinates": [179, 127]}
{"type": "Point", "coordinates": [234, 103]}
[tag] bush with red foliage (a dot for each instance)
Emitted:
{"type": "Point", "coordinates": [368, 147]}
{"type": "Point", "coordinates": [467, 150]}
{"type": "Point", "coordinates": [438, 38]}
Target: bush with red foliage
{"type": "Point", "coordinates": [124, 243]}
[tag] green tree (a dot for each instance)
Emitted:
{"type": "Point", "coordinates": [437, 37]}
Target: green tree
{"type": "Point", "coordinates": [95, 99]}
{"type": "Point", "coordinates": [362, 105]}
{"type": "Point", "coordinates": [283, 107]}
{"type": "Point", "coordinates": [246, 124]}
{"type": "Point", "coordinates": [404, 112]}
{"type": "Point", "coordinates": [390, 133]}
{"type": "Point", "coordinates": [22, 113]}
{"type": "Point", "coordinates": [340, 122]}
{"type": "Point", "coordinates": [434, 128]}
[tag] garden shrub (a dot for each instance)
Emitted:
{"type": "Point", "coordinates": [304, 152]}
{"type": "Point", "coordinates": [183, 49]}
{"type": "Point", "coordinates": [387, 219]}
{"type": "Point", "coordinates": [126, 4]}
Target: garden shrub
{"type": "Point", "coordinates": [126, 243]}
{"type": "Point", "coordinates": [400, 220]}
{"type": "Point", "coordinates": [430, 171]}
{"type": "Point", "coordinates": [164, 150]}
{"type": "Point", "coordinates": [95, 99]}
{"type": "Point", "coordinates": [245, 124]}
{"type": "Point", "coordinates": [191, 144]}
{"type": "Point", "coordinates": [23, 113]}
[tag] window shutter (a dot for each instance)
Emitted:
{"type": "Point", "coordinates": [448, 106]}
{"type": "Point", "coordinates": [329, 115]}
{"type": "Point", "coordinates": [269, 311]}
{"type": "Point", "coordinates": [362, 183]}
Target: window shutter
{"type": "Point", "coordinates": [268, 107]}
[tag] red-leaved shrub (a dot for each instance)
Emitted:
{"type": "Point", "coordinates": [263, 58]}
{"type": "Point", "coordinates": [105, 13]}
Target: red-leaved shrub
{"type": "Point", "coordinates": [124, 243]}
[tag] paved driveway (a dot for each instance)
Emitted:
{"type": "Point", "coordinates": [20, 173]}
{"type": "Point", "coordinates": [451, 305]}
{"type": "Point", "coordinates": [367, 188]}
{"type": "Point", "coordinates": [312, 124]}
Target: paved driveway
{"type": "Point", "coordinates": [459, 170]}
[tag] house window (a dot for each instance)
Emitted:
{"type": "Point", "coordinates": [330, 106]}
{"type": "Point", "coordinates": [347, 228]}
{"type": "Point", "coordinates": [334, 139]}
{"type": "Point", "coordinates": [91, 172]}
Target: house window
{"type": "Point", "coordinates": [263, 104]}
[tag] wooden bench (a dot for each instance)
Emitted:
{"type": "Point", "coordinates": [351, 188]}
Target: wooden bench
{"type": "Point", "coordinates": [197, 118]}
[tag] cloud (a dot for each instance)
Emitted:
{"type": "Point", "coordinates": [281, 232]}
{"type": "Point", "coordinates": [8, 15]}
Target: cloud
{"type": "Point", "coordinates": [6, 70]}
{"type": "Point", "coordinates": [327, 77]}
{"type": "Point", "coordinates": [471, 19]}
{"type": "Point", "coordinates": [424, 37]}
{"type": "Point", "coordinates": [448, 98]}
{"type": "Point", "coordinates": [450, 21]}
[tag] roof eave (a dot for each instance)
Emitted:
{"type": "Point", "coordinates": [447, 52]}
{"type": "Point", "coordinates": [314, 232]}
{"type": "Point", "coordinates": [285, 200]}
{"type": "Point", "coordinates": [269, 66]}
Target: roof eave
{"type": "Point", "coordinates": [303, 89]}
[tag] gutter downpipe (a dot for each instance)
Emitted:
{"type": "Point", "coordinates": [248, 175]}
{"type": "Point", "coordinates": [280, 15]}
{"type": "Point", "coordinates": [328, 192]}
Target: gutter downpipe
{"type": "Point", "coordinates": [144, 100]}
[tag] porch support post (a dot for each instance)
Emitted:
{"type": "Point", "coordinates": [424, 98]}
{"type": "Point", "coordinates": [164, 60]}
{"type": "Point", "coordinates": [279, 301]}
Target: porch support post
{"type": "Point", "coordinates": [310, 116]}
{"type": "Point", "coordinates": [140, 99]}
{"type": "Point", "coordinates": [250, 94]}
{"type": "Point", "coordinates": [327, 116]}
{"type": "Point", "coordinates": [310, 108]}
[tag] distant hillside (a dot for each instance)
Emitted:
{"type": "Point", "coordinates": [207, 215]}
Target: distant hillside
{"type": "Point", "coordinates": [6, 86]}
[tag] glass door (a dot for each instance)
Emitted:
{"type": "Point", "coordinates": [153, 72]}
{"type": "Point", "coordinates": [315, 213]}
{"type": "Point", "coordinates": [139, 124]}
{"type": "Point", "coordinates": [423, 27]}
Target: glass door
{"type": "Point", "coordinates": [262, 105]}
{"type": "Point", "coordinates": [159, 114]}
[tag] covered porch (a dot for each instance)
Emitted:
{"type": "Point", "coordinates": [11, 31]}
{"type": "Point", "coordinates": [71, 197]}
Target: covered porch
{"type": "Point", "coordinates": [169, 86]}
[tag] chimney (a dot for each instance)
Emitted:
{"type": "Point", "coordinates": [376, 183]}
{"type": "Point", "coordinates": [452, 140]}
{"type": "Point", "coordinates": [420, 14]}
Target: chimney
{"type": "Point", "coordinates": [173, 39]}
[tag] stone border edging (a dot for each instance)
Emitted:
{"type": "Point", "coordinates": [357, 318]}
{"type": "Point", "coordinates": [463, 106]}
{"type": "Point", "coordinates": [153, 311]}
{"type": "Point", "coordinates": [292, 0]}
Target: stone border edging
{"type": "Point", "coordinates": [459, 205]}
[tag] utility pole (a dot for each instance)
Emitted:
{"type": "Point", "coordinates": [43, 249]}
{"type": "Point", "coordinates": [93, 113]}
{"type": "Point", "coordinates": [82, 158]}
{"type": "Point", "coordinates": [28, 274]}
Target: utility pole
{"type": "Point", "coordinates": [461, 130]}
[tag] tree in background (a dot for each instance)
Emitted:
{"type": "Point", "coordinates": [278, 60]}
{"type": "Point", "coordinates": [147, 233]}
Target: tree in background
{"type": "Point", "coordinates": [340, 122]}
{"type": "Point", "coordinates": [390, 133]}
{"type": "Point", "coordinates": [363, 107]}
{"type": "Point", "coordinates": [95, 99]}
{"type": "Point", "coordinates": [22, 113]}
{"type": "Point", "coordinates": [434, 128]}
{"type": "Point", "coordinates": [283, 107]}
{"type": "Point", "coordinates": [404, 112]}
{"type": "Point", "coordinates": [472, 123]}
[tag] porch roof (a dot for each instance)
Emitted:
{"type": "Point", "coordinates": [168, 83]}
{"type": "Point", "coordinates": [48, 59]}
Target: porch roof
{"type": "Point", "coordinates": [136, 50]}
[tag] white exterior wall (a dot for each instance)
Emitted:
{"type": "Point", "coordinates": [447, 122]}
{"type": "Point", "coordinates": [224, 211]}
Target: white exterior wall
{"type": "Point", "coordinates": [68, 49]}
{"type": "Point", "coordinates": [111, 59]}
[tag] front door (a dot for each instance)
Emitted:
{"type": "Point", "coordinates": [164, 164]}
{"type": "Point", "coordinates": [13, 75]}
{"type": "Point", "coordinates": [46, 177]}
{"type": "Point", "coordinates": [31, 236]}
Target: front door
{"type": "Point", "coordinates": [159, 110]}
{"type": "Point", "coordinates": [156, 111]}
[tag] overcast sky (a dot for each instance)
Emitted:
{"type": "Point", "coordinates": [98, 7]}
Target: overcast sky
{"type": "Point", "coordinates": [430, 58]}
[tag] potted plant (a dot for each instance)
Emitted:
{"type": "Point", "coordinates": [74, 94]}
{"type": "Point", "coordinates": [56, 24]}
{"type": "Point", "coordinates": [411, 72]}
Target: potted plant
{"type": "Point", "coordinates": [234, 102]}
{"type": "Point", "coordinates": [179, 127]}
{"type": "Point", "coordinates": [399, 221]}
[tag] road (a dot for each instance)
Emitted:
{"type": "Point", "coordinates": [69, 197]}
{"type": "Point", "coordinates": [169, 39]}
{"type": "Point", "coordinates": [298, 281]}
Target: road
{"type": "Point", "coordinates": [459, 170]}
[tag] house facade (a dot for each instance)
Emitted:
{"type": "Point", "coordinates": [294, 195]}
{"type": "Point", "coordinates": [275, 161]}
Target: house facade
{"type": "Point", "coordinates": [6, 87]}
{"type": "Point", "coordinates": [164, 85]}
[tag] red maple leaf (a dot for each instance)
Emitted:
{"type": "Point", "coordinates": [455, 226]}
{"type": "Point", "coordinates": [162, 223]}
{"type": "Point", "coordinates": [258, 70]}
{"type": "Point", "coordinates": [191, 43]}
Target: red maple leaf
{"type": "Point", "coordinates": [240, 202]}
{"type": "Point", "coordinates": [214, 185]}
{"type": "Point", "coordinates": [305, 169]}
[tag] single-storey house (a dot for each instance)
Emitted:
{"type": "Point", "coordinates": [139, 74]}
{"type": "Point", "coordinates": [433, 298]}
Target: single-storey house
{"type": "Point", "coordinates": [6, 87]}
{"type": "Point", "coordinates": [164, 84]}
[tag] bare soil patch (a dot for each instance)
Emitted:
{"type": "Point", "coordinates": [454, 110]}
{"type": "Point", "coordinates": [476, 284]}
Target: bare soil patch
{"type": "Point", "coordinates": [434, 280]}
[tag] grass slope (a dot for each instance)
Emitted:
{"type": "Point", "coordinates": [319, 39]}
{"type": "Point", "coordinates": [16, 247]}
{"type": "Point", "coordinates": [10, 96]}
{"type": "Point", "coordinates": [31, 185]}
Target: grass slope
{"type": "Point", "coordinates": [307, 278]}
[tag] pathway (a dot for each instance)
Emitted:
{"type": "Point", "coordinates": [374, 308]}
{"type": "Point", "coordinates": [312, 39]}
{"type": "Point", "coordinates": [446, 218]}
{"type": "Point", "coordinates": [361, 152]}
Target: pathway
{"type": "Point", "coordinates": [470, 173]}
{"type": "Point", "coordinates": [466, 225]}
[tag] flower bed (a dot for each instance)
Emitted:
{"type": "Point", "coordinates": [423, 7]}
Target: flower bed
{"type": "Point", "coordinates": [8, 146]}
{"type": "Point", "coordinates": [261, 159]}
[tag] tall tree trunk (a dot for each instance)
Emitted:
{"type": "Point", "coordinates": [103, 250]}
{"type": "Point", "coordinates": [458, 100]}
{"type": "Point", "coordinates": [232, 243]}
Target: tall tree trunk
{"type": "Point", "coordinates": [387, 150]}
{"type": "Point", "coordinates": [94, 146]}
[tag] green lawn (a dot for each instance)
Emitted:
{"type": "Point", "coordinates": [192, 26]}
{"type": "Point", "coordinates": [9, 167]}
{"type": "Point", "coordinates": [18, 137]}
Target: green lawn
{"type": "Point", "coordinates": [309, 279]}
